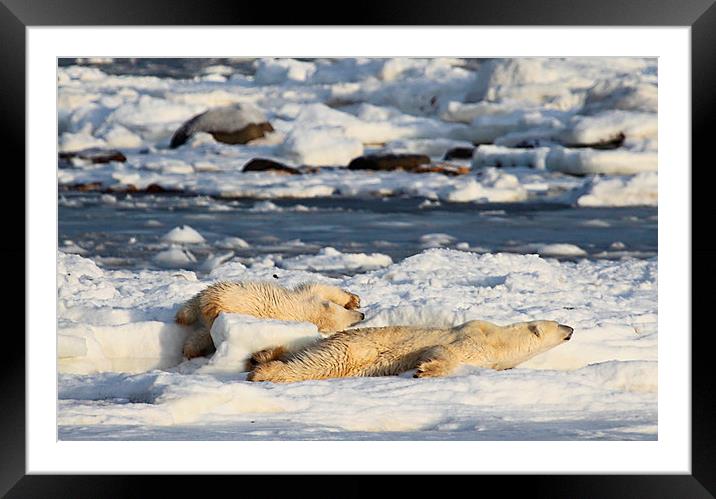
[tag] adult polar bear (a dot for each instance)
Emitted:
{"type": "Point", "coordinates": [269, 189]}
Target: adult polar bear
{"type": "Point", "coordinates": [328, 307]}
{"type": "Point", "coordinates": [383, 351]}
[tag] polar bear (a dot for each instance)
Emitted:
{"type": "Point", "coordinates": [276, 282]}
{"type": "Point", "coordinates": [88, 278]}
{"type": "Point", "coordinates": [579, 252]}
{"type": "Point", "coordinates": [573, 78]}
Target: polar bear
{"type": "Point", "coordinates": [383, 351]}
{"type": "Point", "coordinates": [328, 307]}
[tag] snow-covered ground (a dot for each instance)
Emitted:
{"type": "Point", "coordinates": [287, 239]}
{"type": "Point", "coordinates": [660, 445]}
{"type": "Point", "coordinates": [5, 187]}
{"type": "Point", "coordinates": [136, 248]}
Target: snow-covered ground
{"type": "Point", "coordinates": [121, 375]}
{"type": "Point", "coordinates": [537, 123]}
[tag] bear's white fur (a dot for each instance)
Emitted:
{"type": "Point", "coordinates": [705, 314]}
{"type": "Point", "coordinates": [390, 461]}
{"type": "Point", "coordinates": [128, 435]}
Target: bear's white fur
{"type": "Point", "coordinates": [328, 307]}
{"type": "Point", "coordinates": [383, 351]}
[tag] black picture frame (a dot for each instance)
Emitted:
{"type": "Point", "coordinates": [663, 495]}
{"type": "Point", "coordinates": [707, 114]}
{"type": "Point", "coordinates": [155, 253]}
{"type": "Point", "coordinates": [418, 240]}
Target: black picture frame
{"type": "Point", "coordinates": [700, 15]}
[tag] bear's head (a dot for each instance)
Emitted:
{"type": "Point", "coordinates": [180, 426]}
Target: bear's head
{"type": "Point", "coordinates": [330, 317]}
{"type": "Point", "coordinates": [516, 343]}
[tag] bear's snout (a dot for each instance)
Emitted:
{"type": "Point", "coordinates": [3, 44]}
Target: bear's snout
{"type": "Point", "coordinates": [567, 329]}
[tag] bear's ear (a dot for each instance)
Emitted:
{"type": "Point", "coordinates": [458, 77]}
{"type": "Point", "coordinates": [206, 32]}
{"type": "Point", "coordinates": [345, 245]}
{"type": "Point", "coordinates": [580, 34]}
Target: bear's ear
{"type": "Point", "coordinates": [534, 329]}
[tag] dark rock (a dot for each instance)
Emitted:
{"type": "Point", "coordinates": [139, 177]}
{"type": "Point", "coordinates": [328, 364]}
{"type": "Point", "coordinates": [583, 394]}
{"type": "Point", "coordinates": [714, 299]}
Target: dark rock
{"type": "Point", "coordinates": [268, 165]}
{"type": "Point", "coordinates": [237, 124]}
{"type": "Point", "coordinates": [613, 143]}
{"type": "Point", "coordinates": [459, 153]}
{"type": "Point", "coordinates": [93, 155]}
{"type": "Point", "coordinates": [158, 189]}
{"type": "Point", "coordinates": [245, 135]}
{"type": "Point", "coordinates": [444, 168]}
{"type": "Point", "coordinates": [389, 162]}
{"type": "Point", "coordinates": [91, 186]}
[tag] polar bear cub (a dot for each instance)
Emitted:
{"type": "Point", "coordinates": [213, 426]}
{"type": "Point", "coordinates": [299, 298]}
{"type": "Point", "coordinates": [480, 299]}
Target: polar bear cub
{"type": "Point", "coordinates": [328, 307]}
{"type": "Point", "coordinates": [383, 351]}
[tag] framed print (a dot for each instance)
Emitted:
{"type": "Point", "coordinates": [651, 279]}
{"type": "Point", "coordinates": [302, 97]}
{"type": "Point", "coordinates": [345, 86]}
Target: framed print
{"type": "Point", "coordinates": [434, 243]}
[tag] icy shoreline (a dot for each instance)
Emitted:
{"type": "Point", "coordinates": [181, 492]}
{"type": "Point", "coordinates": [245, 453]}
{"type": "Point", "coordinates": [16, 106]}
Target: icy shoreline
{"type": "Point", "coordinates": [601, 385]}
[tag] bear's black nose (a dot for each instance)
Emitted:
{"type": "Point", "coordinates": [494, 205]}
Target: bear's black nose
{"type": "Point", "coordinates": [362, 316]}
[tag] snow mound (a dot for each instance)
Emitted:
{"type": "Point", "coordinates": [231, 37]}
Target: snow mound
{"type": "Point", "coordinates": [183, 235]}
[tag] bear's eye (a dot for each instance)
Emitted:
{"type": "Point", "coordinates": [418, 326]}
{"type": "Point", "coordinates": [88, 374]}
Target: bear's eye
{"type": "Point", "coordinates": [534, 329]}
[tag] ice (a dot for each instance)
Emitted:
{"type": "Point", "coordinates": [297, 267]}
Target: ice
{"type": "Point", "coordinates": [122, 376]}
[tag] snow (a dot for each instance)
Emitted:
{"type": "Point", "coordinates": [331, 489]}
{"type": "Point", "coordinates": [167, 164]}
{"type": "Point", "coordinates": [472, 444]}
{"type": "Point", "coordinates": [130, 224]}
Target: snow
{"type": "Point", "coordinates": [122, 377]}
{"type": "Point", "coordinates": [326, 112]}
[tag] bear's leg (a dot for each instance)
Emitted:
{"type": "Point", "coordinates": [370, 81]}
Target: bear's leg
{"type": "Point", "coordinates": [339, 296]}
{"type": "Point", "coordinates": [188, 313]}
{"type": "Point", "coordinates": [331, 358]}
{"type": "Point", "coordinates": [199, 344]}
{"type": "Point", "coordinates": [435, 361]}
{"type": "Point", "coordinates": [274, 371]}
{"type": "Point", "coordinates": [266, 355]}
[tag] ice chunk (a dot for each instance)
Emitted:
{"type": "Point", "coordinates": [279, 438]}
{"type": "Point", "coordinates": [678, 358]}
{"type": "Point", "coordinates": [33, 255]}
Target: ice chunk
{"type": "Point", "coordinates": [238, 336]}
